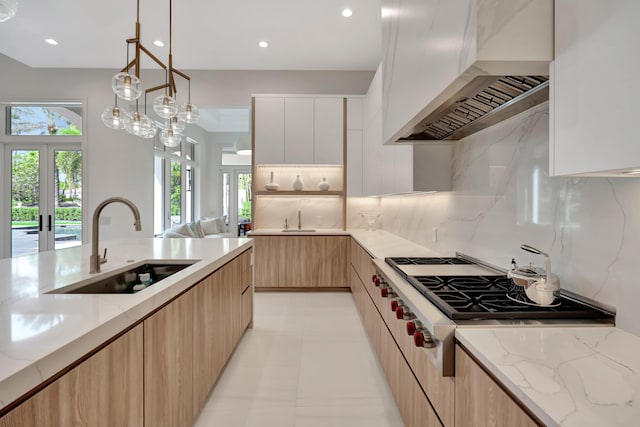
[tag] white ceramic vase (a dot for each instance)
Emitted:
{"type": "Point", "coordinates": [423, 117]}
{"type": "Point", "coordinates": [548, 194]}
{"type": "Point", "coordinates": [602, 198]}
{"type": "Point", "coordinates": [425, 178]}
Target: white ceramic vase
{"type": "Point", "coordinates": [272, 185]}
{"type": "Point", "coordinates": [298, 185]}
{"type": "Point", "coordinates": [324, 185]}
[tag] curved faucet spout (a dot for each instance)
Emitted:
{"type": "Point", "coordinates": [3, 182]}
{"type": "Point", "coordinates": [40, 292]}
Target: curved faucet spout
{"type": "Point", "coordinates": [96, 259]}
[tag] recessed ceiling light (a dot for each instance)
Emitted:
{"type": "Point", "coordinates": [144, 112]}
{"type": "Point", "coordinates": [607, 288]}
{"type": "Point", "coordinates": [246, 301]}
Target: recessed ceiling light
{"type": "Point", "coordinates": [263, 43]}
{"type": "Point", "coordinates": [51, 41]}
{"type": "Point", "coordinates": [347, 13]}
{"type": "Point", "coordinates": [158, 43]}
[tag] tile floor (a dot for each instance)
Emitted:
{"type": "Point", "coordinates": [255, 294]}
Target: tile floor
{"type": "Point", "coordinates": [307, 362]}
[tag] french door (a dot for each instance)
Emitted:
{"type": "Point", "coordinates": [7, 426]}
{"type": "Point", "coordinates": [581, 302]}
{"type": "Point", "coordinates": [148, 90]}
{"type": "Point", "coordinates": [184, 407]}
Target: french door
{"type": "Point", "coordinates": [44, 197]}
{"type": "Point", "coordinates": [236, 198]}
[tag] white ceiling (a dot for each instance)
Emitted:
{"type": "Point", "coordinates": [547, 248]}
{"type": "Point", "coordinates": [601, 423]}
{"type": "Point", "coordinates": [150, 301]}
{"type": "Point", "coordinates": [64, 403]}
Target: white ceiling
{"type": "Point", "coordinates": [207, 34]}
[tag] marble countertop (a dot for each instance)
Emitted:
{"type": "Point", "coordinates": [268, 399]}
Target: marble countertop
{"type": "Point", "coordinates": [294, 232]}
{"type": "Point", "coordinates": [568, 376]}
{"type": "Point", "coordinates": [42, 333]}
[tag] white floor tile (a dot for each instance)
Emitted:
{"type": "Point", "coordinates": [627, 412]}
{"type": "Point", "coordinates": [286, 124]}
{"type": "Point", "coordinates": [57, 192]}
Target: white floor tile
{"type": "Point", "coordinates": [307, 362]}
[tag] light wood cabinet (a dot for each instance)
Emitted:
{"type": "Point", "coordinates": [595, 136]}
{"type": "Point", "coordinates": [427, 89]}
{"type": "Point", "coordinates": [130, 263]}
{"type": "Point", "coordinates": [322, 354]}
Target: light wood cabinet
{"type": "Point", "coordinates": [300, 261]}
{"type": "Point", "coordinates": [413, 404]}
{"type": "Point", "coordinates": [593, 109]}
{"type": "Point", "coordinates": [168, 363]}
{"type": "Point", "coordinates": [480, 401]}
{"type": "Point", "coordinates": [220, 316]}
{"type": "Point", "coordinates": [104, 390]}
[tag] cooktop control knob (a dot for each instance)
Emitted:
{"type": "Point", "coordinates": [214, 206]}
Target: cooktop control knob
{"type": "Point", "coordinates": [394, 305]}
{"type": "Point", "coordinates": [411, 328]}
{"type": "Point", "coordinates": [418, 338]}
{"type": "Point", "coordinates": [376, 282]}
{"type": "Point", "coordinates": [423, 338]}
{"type": "Point", "coordinates": [400, 313]}
{"type": "Point", "coordinates": [384, 292]}
{"type": "Point", "coordinates": [374, 277]}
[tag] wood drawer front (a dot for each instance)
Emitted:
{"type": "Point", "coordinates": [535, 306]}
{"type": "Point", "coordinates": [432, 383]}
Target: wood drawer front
{"type": "Point", "coordinates": [247, 307]}
{"type": "Point", "coordinates": [414, 406]}
{"type": "Point", "coordinates": [480, 401]}
{"type": "Point", "coordinates": [105, 390]}
{"type": "Point", "coordinates": [440, 390]}
{"type": "Point", "coordinates": [301, 261]}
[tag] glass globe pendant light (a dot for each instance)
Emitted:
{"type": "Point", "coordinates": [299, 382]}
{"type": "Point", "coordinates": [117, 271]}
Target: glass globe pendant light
{"type": "Point", "coordinates": [189, 112]}
{"type": "Point", "coordinates": [113, 117]}
{"type": "Point", "coordinates": [177, 125]}
{"type": "Point", "coordinates": [137, 123]}
{"type": "Point", "coordinates": [126, 86]}
{"type": "Point", "coordinates": [169, 138]}
{"type": "Point", "coordinates": [165, 106]}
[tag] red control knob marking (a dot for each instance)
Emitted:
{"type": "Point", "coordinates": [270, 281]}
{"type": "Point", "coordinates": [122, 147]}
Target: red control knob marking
{"type": "Point", "coordinates": [394, 305]}
{"type": "Point", "coordinates": [374, 278]}
{"type": "Point", "coordinates": [384, 292]}
{"type": "Point", "coordinates": [411, 328]}
{"type": "Point", "coordinates": [399, 313]}
{"type": "Point", "coordinates": [418, 339]}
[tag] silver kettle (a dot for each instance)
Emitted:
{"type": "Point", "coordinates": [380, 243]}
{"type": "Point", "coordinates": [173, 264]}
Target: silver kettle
{"type": "Point", "coordinates": [541, 286]}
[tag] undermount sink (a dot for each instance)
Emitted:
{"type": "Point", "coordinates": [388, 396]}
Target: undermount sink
{"type": "Point", "coordinates": [122, 282]}
{"type": "Point", "coordinates": [296, 230]}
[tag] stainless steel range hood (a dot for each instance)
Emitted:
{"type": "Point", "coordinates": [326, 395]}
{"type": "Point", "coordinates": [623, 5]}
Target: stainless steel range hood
{"type": "Point", "coordinates": [461, 73]}
{"type": "Point", "coordinates": [483, 102]}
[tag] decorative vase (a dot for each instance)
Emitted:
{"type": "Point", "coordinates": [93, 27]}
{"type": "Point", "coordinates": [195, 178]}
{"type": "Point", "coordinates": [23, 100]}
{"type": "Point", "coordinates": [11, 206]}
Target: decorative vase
{"type": "Point", "coordinates": [298, 184]}
{"type": "Point", "coordinates": [324, 185]}
{"type": "Point", "coordinates": [272, 186]}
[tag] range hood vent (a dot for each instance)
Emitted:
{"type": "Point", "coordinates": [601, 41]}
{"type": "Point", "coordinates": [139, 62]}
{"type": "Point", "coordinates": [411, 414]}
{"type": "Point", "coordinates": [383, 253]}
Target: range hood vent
{"type": "Point", "coordinates": [483, 102]}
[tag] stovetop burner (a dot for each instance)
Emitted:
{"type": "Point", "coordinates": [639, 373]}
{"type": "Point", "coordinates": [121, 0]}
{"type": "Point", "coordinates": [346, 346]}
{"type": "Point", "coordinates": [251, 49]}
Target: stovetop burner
{"type": "Point", "coordinates": [486, 297]}
{"type": "Point", "coordinates": [425, 261]}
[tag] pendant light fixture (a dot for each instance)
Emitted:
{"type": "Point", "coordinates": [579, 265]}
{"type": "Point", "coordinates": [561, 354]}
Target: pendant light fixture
{"type": "Point", "coordinates": [128, 87]}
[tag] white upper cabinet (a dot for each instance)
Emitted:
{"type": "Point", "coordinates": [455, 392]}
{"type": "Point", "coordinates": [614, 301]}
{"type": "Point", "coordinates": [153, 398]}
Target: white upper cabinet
{"type": "Point", "coordinates": [594, 95]}
{"type": "Point", "coordinates": [328, 131]}
{"type": "Point", "coordinates": [432, 48]}
{"type": "Point", "coordinates": [269, 130]}
{"type": "Point", "coordinates": [292, 129]}
{"type": "Point", "coordinates": [298, 130]}
{"type": "Point", "coordinates": [354, 146]}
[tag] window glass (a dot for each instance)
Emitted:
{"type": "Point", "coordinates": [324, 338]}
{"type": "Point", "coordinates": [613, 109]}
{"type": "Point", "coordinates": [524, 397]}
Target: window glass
{"type": "Point", "coordinates": [176, 192]}
{"type": "Point", "coordinates": [59, 119]}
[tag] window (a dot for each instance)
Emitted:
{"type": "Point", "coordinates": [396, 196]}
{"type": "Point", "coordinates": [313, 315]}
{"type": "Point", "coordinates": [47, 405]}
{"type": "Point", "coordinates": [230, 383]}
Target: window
{"type": "Point", "coordinates": [174, 173]}
{"type": "Point", "coordinates": [51, 119]}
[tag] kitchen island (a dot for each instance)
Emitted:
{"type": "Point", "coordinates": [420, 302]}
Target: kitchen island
{"type": "Point", "coordinates": [42, 334]}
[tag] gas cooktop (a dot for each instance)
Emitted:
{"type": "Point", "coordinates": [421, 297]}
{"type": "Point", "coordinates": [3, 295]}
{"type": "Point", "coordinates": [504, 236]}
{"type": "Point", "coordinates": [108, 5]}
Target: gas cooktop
{"type": "Point", "coordinates": [484, 296]}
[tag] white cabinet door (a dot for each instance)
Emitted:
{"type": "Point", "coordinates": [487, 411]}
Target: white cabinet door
{"type": "Point", "coordinates": [328, 131]}
{"type": "Point", "coordinates": [594, 96]}
{"type": "Point", "coordinates": [269, 130]}
{"type": "Point", "coordinates": [298, 130]}
{"type": "Point", "coordinates": [354, 113]}
{"type": "Point", "coordinates": [354, 163]}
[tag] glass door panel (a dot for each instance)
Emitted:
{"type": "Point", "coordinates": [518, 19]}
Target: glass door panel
{"type": "Point", "coordinates": [176, 192]}
{"type": "Point", "coordinates": [67, 196]}
{"type": "Point", "coordinates": [26, 217]}
{"type": "Point", "coordinates": [243, 181]}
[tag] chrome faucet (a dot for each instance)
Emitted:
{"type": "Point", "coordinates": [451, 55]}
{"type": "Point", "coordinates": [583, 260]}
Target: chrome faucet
{"type": "Point", "coordinates": [299, 219]}
{"type": "Point", "coordinates": [96, 259]}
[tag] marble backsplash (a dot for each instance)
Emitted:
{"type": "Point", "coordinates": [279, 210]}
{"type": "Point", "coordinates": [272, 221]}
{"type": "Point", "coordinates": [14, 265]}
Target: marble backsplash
{"type": "Point", "coordinates": [503, 196]}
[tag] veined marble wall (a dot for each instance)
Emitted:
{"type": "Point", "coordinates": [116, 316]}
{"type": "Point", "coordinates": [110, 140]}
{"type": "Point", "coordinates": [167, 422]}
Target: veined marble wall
{"type": "Point", "coordinates": [503, 197]}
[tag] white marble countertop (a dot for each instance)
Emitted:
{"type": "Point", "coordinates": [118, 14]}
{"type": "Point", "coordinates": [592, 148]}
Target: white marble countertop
{"type": "Point", "coordinates": [294, 232]}
{"type": "Point", "coordinates": [568, 376]}
{"type": "Point", "coordinates": [42, 333]}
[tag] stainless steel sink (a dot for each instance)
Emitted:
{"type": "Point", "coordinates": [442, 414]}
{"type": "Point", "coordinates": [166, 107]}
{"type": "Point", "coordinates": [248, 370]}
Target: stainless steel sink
{"type": "Point", "coordinates": [123, 281]}
{"type": "Point", "coordinates": [295, 230]}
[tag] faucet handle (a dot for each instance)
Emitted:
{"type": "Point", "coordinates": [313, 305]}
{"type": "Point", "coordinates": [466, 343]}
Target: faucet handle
{"type": "Point", "coordinates": [103, 258]}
